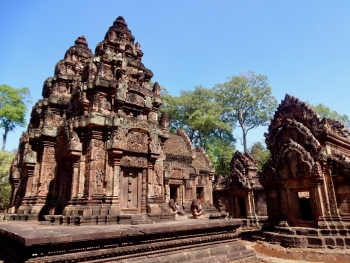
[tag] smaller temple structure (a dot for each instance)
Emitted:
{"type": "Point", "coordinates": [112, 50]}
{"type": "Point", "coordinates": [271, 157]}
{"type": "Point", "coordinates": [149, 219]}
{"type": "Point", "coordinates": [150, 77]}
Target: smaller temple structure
{"type": "Point", "coordinates": [188, 173]}
{"type": "Point", "coordinates": [241, 194]}
{"type": "Point", "coordinates": [307, 179]}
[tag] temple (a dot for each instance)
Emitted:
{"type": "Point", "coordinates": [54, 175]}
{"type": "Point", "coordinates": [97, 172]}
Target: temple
{"type": "Point", "coordinates": [97, 150]}
{"type": "Point", "coordinates": [241, 194]}
{"type": "Point", "coordinates": [307, 178]}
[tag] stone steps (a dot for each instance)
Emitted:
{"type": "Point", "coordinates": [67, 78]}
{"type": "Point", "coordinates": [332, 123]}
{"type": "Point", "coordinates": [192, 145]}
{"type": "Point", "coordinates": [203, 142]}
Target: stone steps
{"type": "Point", "coordinates": [311, 241]}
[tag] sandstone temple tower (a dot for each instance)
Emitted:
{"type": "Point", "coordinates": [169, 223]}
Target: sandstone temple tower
{"type": "Point", "coordinates": [307, 178]}
{"type": "Point", "coordinates": [94, 147]}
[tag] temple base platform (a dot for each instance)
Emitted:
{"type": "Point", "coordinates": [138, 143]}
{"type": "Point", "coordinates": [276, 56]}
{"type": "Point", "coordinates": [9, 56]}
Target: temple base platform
{"type": "Point", "coordinates": [309, 237]}
{"type": "Point", "coordinates": [184, 240]}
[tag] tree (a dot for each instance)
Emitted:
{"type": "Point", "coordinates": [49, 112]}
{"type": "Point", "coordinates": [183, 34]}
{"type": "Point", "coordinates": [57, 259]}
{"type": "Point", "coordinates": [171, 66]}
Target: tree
{"type": "Point", "coordinates": [13, 108]}
{"type": "Point", "coordinates": [260, 154]}
{"type": "Point", "coordinates": [326, 112]}
{"type": "Point", "coordinates": [198, 113]}
{"type": "Point", "coordinates": [247, 102]}
{"type": "Point", "coordinates": [5, 187]}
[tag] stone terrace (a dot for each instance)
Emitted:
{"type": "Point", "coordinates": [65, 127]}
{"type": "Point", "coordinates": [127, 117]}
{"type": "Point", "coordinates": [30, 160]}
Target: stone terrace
{"type": "Point", "coordinates": [177, 241]}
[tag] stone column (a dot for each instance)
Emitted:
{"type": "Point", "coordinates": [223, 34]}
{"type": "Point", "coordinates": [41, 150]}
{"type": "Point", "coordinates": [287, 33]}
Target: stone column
{"type": "Point", "coordinates": [81, 180]}
{"type": "Point", "coordinates": [75, 180]}
{"type": "Point", "coordinates": [210, 188]}
{"type": "Point", "coordinates": [30, 170]}
{"type": "Point", "coordinates": [317, 196]}
{"type": "Point", "coordinates": [250, 204]}
{"type": "Point", "coordinates": [150, 183]}
{"type": "Point", "coordinates": [115, 206]}
{"type": "Point", "coordinates": [143, 191]}
{"type": "Point", "coordinates": [284, 203]}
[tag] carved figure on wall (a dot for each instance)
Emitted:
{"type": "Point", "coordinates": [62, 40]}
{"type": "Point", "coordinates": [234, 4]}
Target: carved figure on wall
{"type": "Point", "coordinates": [221, 207]}
{"type": "Point", "coordinates": [121, 90]}
{"type": "Point", "coordinates": [118, 138]}
{"type": "Point", "coordinates": [99, 178]}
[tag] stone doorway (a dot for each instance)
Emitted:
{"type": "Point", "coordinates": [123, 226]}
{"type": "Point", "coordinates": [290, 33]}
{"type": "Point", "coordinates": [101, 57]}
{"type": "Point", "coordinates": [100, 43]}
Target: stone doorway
{"type": "Point", "coordinates": [174, 192]}
{"type": "Point", "coordinates": [200, 194]}
{"type": "Point", "coordinates": [305, 206]}
{"type": "Point", "coordinates": [242, 207]}
{"type": "Point", "coordinates": [130, 196]}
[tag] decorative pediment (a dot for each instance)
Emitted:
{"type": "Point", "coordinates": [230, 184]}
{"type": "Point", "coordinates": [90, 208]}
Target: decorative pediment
{"type": "Point", "coordinates": [243, 169]}
{"type": "Point", "coordinates": [294, 161]}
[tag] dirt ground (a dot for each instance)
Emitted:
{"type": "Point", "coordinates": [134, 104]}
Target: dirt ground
{"type": "Point", "coordinates": [273, 253]}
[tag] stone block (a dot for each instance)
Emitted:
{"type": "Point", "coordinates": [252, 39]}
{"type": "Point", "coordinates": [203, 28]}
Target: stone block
{"type": "Point", "coordinates": [313, 232]}
{"type": "Point", "coordinates": [294, 241]}
{"type": "Point", "coordinates": [325, 232]}
{"type": "Point", "coordinates": [343, 232]}
{"type": "Point", "coordinates": [340, 242]}
{"type": "Point", "coordinates": [316, 241]}
{"type": "Point", "coordinates": [302, 232]}
{"type": "Point", "coordinates": [347, 242]}
{"type": "Point", "coordinates": [330, 241]}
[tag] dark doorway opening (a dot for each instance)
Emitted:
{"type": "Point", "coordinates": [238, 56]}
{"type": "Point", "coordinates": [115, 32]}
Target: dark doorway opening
{"type": "Point", "coordinates": [305, 206]}
{"type": "Point", "coordinates": [200, 194]}
{"type": "Point", "coordinates": [173, 192]}
{"type": "Point", "coordinates": [241, 203]}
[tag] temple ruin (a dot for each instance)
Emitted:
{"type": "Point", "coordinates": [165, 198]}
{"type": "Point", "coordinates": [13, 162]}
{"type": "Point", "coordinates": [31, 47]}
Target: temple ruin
{"type": "Point", "coordinates": [96, 149]}
{"type": "Point", "coordinates": [241, 194]}
{"type": "Point", "coordinates": [307, 178]}
{"type": "Point", "coordinates": [98, 155]}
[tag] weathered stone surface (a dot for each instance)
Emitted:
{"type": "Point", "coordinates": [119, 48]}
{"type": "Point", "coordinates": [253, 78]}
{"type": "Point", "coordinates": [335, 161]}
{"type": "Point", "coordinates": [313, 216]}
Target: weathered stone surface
{"type": "Point", "coordinates": [96, 147]}
{"type": "Point", "coordinates": [241, 194]}
{"type": "Point", "coordinates": [167, 242]}
{"type": "Point", "coordinates": [307, 178]}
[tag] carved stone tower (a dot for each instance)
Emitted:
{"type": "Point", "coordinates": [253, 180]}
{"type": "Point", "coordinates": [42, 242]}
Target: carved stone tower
{"type": "Point", "coordinates": [95, 145]}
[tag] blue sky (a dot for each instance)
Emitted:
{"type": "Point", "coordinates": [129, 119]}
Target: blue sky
{"type": "Point", "coordinates": [302, 46]}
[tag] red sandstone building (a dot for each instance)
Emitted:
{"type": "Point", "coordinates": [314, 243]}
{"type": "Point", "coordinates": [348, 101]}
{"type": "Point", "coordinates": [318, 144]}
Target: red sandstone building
{"type": "Point", "coordinates": [96, 149]}
{"type": "Point", "coordinates": [307, 179]}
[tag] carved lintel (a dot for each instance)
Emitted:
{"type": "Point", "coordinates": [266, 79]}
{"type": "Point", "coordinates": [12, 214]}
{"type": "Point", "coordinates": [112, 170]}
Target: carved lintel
{"type": "Point", "coordinates": [115, 153]}
{"type": "Point", "coordinates": [133, 161]}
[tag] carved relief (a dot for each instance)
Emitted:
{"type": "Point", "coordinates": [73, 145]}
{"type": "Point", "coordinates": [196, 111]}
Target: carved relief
{"type": "Point", "coordinates": [133, 161]}
{"type": "Point", "coordinates": [118, 138]}
{"type": "Point", "coordinates": [121, 90]}
{"type": "Point", "coordinates": [137, 142]}
{"type": "Point", "coordinates": [176, 174]}
{"type": "Point", "coordinates": [134, 98]}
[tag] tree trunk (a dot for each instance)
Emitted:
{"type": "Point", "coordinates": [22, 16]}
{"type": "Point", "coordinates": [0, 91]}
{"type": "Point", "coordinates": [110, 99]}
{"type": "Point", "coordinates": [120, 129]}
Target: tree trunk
{"type": "Point", "coordinates": [245, 140]}
{"type": "Point", "coordinates": [4, 136]}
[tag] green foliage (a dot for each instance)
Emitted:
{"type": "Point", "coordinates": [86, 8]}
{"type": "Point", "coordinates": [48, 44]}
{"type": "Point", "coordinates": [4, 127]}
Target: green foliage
{"type": "Point", "coordinates": [13, 108]}
{"type": "Point", "coordinates": [326, 112]}
{"type": "Point", "coordinates": [260, 154]}
{"type": "Point", "coordinates": [247, 102]}
{"type": "Point", "coordinates": [5, 187]}
{"type": "Point", "coordinates": [220, 153]}
{"type": "Point", "coordinates": [198, 113]}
